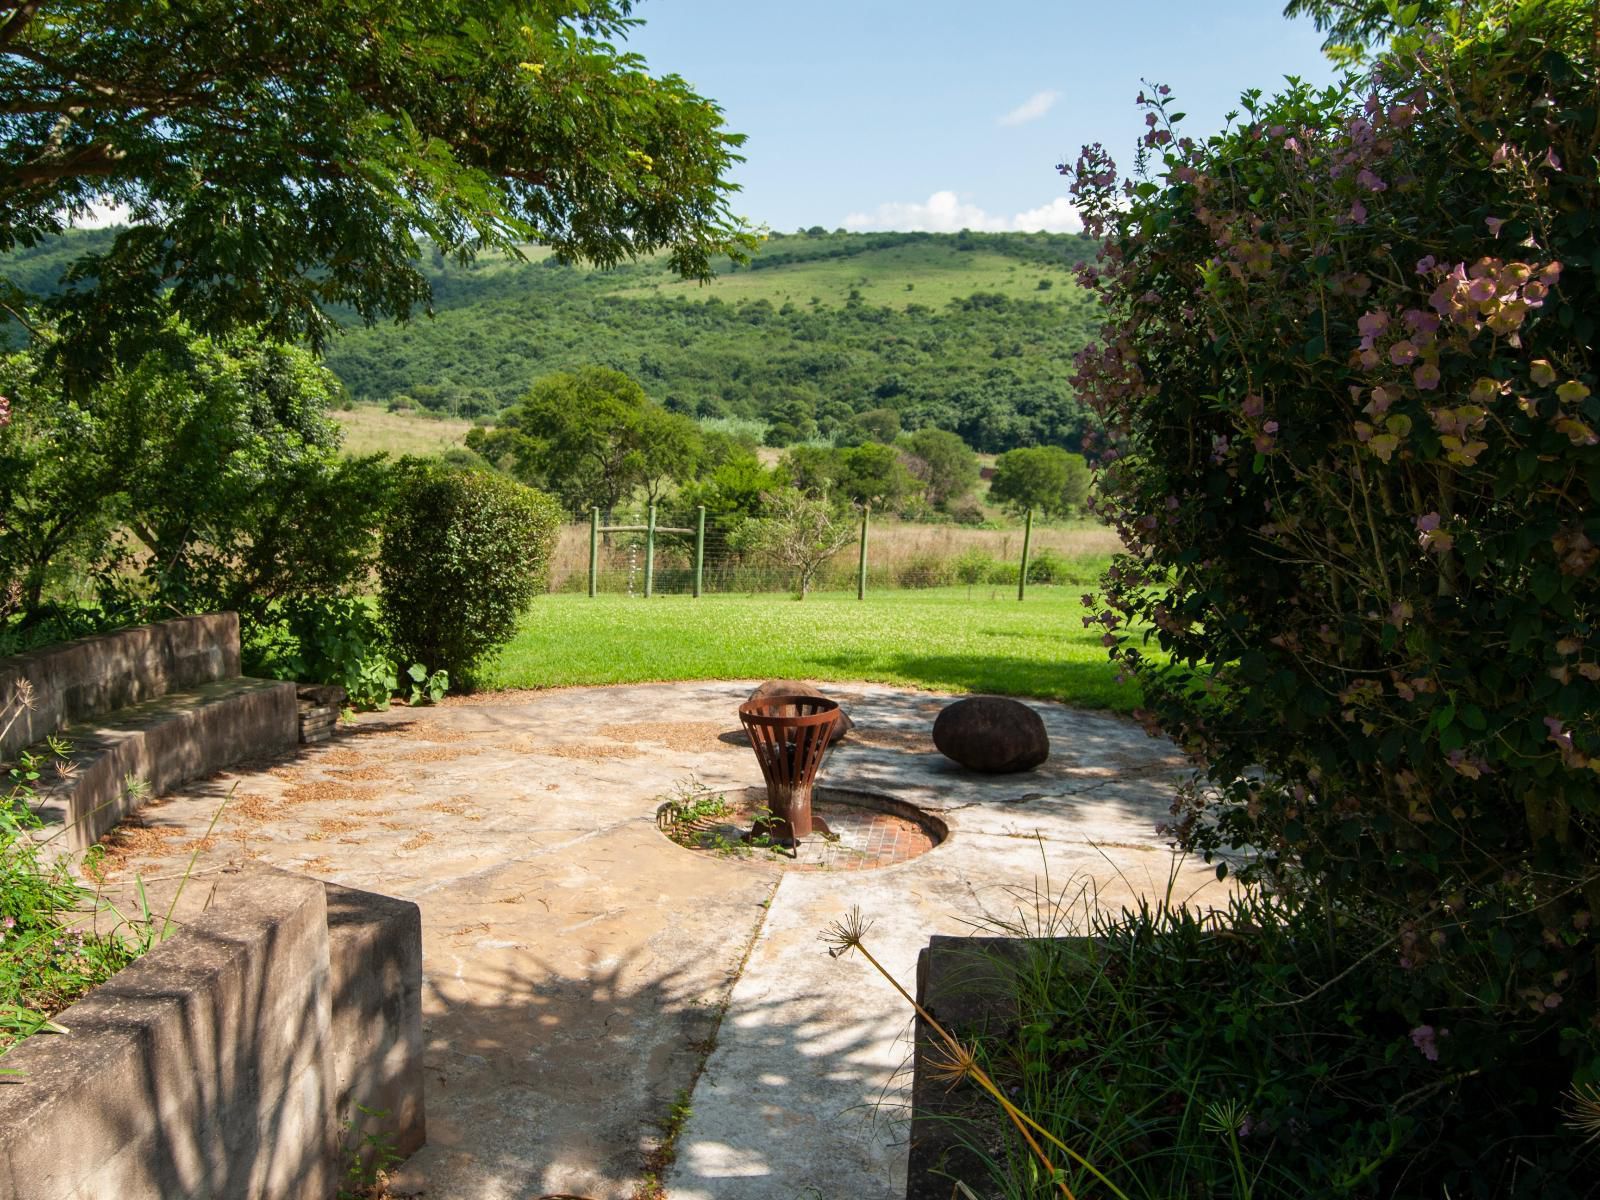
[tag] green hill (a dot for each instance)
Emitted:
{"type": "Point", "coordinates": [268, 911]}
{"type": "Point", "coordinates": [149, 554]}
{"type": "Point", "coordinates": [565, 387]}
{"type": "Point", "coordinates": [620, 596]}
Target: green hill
{"type": "Point", "coordinates": [970, 332]}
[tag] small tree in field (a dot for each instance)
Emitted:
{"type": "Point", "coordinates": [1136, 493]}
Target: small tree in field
{"type": "Point", "coordinates": [1048, 479]}
{"type": "Point", "coordinates": [797, 531]}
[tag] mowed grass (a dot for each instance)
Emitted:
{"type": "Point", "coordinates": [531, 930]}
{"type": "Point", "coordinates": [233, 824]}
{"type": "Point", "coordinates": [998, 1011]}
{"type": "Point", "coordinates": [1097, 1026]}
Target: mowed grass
{"type": "Point", "coordinates": [942, 639]}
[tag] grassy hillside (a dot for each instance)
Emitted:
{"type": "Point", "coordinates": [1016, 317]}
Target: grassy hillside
{"type": "Point", "coordinates": [969, 332]}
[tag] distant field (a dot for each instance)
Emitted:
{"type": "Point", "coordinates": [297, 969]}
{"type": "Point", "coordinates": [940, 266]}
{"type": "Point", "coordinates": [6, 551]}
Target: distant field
{"type": "Point", "coordinates": [369, 429]}
{"type": "Point", "coordinates": [928, 274]}
{"type": "Point", "coordinates": [940, 639]}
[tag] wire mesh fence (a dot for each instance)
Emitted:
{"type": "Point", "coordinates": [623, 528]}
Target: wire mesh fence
{"type": "Point", "coordinates": [898, 555]}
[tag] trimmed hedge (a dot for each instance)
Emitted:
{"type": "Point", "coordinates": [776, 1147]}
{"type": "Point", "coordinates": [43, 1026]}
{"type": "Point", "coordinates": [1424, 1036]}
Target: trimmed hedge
{"type": "Point", "coordinates": [463, 555]}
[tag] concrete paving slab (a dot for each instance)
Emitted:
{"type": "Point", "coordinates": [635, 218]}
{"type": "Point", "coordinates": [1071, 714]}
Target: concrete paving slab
{"type": "Point", "coordinates": [577, 963]}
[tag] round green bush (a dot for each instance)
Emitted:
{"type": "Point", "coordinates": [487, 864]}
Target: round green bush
{"type": "Point", "coordinates": [463, 555]}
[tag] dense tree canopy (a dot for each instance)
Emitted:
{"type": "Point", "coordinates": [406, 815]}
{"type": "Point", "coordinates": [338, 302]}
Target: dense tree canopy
{"type": "Point", "coordinates": [1045, 478]}
{"type": "Point", "coordinates": [592, 437]}
{"type": "Point", "coordinates": [279, 158]}
{"type": "Point", "coordinates": [204, 474]}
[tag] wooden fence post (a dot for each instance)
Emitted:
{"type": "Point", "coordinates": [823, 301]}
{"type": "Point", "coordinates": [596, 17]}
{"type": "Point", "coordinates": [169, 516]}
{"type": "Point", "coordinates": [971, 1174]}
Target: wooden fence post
{"type": "Point", "coordinates": [861, 570]}
{"type": "Point", "coordinates": [650, 553]}
{"type": "Point", "coordinates": [699, 549]}
{"type": "Point", "coordinates": [594, 550]}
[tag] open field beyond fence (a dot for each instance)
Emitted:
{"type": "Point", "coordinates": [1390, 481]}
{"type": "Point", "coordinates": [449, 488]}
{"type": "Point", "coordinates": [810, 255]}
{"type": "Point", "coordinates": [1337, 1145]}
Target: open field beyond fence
{"type": "Point", "coordinates": [899, 554]}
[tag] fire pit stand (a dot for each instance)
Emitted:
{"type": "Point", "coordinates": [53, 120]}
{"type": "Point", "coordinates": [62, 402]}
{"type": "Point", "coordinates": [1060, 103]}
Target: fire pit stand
{"type": "Point", "coordinates": [790, 736]}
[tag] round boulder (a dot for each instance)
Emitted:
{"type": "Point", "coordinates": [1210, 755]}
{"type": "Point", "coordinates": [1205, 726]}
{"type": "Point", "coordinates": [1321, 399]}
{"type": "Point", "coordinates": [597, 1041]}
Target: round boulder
{"type": "Point", "coordinates": [992, 734]}
{"type": "Point", "coordinates": [793, 687]}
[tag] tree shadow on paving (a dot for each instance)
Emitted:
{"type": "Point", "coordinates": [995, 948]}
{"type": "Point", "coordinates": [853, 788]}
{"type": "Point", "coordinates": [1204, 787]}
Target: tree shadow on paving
{"type": "Point", "coordinates": [543, 1081]}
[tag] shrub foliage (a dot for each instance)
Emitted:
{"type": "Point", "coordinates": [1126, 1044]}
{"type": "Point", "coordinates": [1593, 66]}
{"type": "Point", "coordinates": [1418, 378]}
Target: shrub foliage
{"type": "Point", "coordinates": [463, 555]}
{"type": "Point", "coordinates": [1348, 385]}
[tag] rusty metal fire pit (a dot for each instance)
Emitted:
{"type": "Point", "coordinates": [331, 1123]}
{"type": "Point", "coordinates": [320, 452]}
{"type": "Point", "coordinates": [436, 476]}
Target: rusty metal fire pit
{"type": "Point", "coordinates": [790, 736]}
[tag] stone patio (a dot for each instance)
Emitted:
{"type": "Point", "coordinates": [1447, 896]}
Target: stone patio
{"type": "Point", "coordinates": [581, 971]}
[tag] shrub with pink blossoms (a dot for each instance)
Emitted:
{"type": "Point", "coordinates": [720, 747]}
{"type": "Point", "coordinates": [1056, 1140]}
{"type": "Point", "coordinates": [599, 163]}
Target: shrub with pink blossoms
{"type": "Point", "coordinates": [1352, 442]}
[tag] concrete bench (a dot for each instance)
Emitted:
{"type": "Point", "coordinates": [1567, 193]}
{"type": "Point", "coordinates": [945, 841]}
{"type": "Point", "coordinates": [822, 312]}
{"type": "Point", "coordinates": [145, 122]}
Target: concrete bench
{"type": "Point", "coordinates": [144, 710]}
{"type": "Point", "coordinates": [227, 1061]}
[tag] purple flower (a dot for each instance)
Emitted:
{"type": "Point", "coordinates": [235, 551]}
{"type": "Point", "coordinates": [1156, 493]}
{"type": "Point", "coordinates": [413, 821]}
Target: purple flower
{"type": "Point", "coordinates": [1426, 1039]}
{"type": "Point", "coordinates": [1426, 263]}
{"type": "Point", "coordinates": [1426, 377]}
{"type": "Point", "coordinates": [1373, 323]}
{"type": "Point", "coordinates": [1370, 181]}
{"type": "Point", "coordinates": [1428, 523]}
{"type": "Point", "coordinates": [1494, 224]}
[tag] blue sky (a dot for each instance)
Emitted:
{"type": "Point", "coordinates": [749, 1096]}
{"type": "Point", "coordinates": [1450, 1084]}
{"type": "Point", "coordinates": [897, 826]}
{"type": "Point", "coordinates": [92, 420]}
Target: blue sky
{"type": "Point", "coordinates": [891, 114]}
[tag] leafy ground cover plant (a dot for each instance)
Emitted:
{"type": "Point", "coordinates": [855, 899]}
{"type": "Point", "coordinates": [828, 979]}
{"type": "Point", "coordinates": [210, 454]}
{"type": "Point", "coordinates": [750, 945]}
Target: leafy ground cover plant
{"type": "Point", "coordinates": [1348, 385]}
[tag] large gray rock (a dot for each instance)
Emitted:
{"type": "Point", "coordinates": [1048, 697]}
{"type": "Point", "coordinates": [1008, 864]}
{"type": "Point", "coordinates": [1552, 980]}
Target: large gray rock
{"type": "Point", "coordinates": [992, 734]}
{"type": "Point", "coordinates": [793, 687]}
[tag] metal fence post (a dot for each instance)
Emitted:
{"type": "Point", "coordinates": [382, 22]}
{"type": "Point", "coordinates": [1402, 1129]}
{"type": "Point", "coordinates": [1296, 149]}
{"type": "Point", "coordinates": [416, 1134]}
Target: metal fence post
{"type": "Point", "coordinates": [699, 549]}
{"type": "Point", "coordinates": [861, 570]}
{"type": "Point", "coordinates": [650, 553]}
{"type": "Point", "coordinates": [1027, 536]}
{"type": "Point", "coordinates": [594, 550]}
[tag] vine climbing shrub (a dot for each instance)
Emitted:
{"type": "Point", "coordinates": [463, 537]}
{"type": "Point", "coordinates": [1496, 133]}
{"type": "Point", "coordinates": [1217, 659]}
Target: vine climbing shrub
{"type": "Point", "coordinates": [1348, 388]}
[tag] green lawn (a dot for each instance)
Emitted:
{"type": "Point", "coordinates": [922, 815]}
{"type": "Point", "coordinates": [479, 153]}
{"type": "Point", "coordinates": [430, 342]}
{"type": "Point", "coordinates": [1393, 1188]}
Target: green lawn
{"type": "Point", "coordinates": [938, 638]}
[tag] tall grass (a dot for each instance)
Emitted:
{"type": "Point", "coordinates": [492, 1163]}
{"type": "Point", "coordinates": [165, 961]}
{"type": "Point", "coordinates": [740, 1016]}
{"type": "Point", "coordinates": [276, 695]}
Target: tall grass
{"type": "Point", "coordinates": [894, 550]}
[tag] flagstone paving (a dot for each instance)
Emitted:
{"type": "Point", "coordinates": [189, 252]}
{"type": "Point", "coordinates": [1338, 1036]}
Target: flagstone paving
{"type": "Point", "coordinates": [582, 972]}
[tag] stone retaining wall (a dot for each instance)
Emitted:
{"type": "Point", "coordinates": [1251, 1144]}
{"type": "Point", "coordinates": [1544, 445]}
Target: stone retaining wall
{"type": "Point", "coordinates": [224, 1062]}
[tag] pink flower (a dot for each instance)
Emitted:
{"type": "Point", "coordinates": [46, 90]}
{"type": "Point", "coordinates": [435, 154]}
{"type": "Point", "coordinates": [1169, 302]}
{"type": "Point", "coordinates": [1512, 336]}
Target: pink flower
{"type": "Point", "coordinates": [1402, 352]}
{"type": "Point", "coordinates": [1426, 263]}
{"type": "Point", "coordinates": [1252, 406]}
{"type": "Point", "coordinates": [1373, 323]}
{"type": "Point", "coordinates": [1426, 377]}
{"type": "Point", "coordinates": [1552, 159]}
{"type": "Point", "coordinates": [5, 411]}
{"type": "Point", "coordinates": [1494, 224]}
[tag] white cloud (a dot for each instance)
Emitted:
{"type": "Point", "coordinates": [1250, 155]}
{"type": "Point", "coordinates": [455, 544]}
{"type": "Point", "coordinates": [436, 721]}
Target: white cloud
{"type": "Point", "coordinates": [1031, 109]}
{"type": "Point", "coordinates": [99, 215]}
{"type": "Point", "coordinates": [945, 212]}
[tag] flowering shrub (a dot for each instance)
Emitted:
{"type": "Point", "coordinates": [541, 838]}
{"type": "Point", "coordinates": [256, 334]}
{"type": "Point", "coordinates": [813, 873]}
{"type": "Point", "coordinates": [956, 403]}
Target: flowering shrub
{"type": "Point", "coordinates": [1348, 385]}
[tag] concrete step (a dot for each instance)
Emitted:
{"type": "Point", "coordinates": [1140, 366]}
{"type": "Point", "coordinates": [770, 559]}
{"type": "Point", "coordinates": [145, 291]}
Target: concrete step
{"type": "Point", "coordinates": [163, 744]}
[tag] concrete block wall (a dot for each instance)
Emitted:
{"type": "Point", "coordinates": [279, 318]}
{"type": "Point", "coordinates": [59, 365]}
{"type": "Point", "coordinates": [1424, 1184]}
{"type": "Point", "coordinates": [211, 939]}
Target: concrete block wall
{"type": "Point", "coordinates": [80, 679]}
{"type": "Point", "coordinates": [222, 1063]}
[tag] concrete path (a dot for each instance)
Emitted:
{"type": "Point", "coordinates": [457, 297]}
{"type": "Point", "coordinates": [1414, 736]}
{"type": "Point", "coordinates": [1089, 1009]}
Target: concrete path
{"type": "Point", "coordinates": [578, 964]}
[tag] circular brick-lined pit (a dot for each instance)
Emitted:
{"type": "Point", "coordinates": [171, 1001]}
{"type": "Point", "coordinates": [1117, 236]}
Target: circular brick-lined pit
{"type": "Point", "coordinates": [868, 831]}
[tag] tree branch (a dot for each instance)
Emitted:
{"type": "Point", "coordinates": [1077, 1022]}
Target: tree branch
{"type": "Point", "coordinates": [18, 20]}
